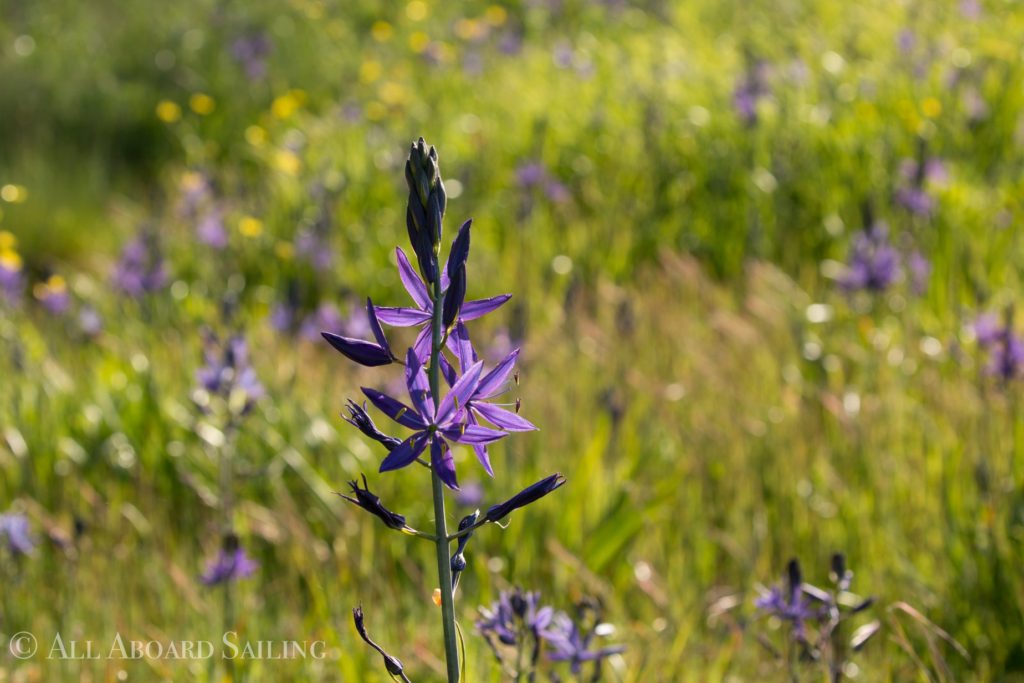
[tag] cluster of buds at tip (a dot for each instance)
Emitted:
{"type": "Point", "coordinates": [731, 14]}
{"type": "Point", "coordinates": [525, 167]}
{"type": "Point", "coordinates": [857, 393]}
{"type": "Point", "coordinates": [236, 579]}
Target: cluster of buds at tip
{"type": "Point", "coordinates": [425, 210]}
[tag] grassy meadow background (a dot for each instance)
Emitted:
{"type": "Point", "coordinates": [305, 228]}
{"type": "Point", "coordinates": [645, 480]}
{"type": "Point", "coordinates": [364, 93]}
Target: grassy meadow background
{"type": "Point", "coordinates": [717, 402]}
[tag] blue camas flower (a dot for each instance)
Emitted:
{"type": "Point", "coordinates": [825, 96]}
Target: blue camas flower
{"type": "Point", "coordinates": [874, 263]}
{"type": "Point", "coordinates": [423, 312]}
{"type": "Point", "coordinates": [232, 563]}
{"type": "Point", "coordinates": [435, 424]}
{"type": "Point", "coordinates": [14, 529]}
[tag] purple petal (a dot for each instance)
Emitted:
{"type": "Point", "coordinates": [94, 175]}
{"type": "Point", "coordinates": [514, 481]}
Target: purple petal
{"type": "Point", "coordinates": [505, 419]}
{"type": "Point", "coordinates": [401, 317]}
{"type": "Point", "coordinates": [423, 344]}
{"type": "Point", "coordinates": [443, 463]}
{"type": "Point", "coordinates": [378, 331]}
{"type": "Point", "coordinates": [396, 410]}
{"type": "Point", "coordinates": [471, 310]}
{"type": "Point", "coordinates": [458, 342]}
{"type": "Point", "coordinates": [472, 435]}
{"type": "Point", "coordinates": [447, 371]}
{"type": "Point", "coordinates": [419, 387]}
{"type": "Point", "coordinates": [413, 284]}
{"type": "Point", "coordinates": [493, 382]}
{"type": "Point", "coordinates": [362, 352]}
{"type": "Point", "coordinates": [405, 453]}
{"type": "Point", "coordinates": [481, 451]}
{"type": "Point", "coordinates": [460, 394]}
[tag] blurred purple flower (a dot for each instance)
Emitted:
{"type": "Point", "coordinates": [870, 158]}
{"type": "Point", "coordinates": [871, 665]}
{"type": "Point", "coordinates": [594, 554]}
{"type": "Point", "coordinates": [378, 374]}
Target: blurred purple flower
{"type": "Point", "coordinates": [141, 268]}
{"type": "Point", "coordinates": [920, 272]}
{"type": "Point", "coordinates": [12, 282]}
{"type": "Point", "coordinates": [471, 495]}
{"type": "Point", "coordinates": [229, 565]}
{"type": "Point", "coordinates": [569, 644]}
{"type": "Point", "coordinates": [986, 329]}
{"type": "Point", "coordinates": [533, 174]}
{"type": "Point", "coordinates": [228, 370]}
{"type": "Point", "coordinates": [1007, 355]}
{"type": "Point", "coordinates": [311, 244]}
{"type": "Point", "coordinates": [327, 318]}
{"type": "Point", "coordinates": [89, 321]}
{"type": "Point", "coordinates": [14, 529]}
{"type": "Point", "coordinates": [751, 88]}
{"type": "Point", "coordinates": [514, 610]}
{"type": "Point", "coordinates": [788, 602]}
{"type": "Point", "coordinates": [211, 231]}
{"type": "Point", "coordinates": [914, 194]}
{"type": "Point", "coordinates": [251, 52]}
{"type": "Point", "coordinates": [53, 295]}
{"type": "Point", "coordinates": [874, 262]}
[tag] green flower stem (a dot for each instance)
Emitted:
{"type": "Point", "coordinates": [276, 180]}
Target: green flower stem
{"type": "Point", "coordinates": [444, 570]}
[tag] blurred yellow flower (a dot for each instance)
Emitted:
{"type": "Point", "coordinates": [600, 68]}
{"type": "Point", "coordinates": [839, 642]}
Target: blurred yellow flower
{"type": "Point", "coordinates": [931, 107]}
{"type": "Point", "coordinates": [7, 240]}
{"type": "Point", "coordinates": [250, 226]}
{"type": "Point", "coordinates": [10, 259]}
{"type": "Point", "coordinates": [15, 194]}
{"type": "Point", "coordinates": [191, 181]}
{"type": "Point", "coordinates": [419, 41]}
{"type": "Point", "coordinates": [168, 111]}
{"type": "Point", "coordinates": [55, 284]}
{"type": "Point", "coordinates": [255, 136]}
{"type": "Point", "coordinates": [416, 10]}
{"type": "Point", "coordinates": [201, 103]}
{"type": "Point", "coordinates": [470, 29]}
{"type": "Point", "coordinates": [496, 15]}
{"type": "Point", "coordinates": [392, 93]}
{"type": "Point", "coordinates": [287, 162]}
{"type": "Point", "coordinates": [381, 31]}
{"type": "Point", "coordinates": [284, 250]}
{"type": "Point", "coordinates": [375, 111]}
{"type": "Point", "coordinates": [285, 105]}
{"type": "Point", "coordinates": [370, 70]}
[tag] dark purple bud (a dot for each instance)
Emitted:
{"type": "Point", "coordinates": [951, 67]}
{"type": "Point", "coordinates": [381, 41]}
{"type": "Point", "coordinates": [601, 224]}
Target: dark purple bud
{"type": "Point", "coordinates": [362, 352]}
{"type": "Point", "coordinates": [456, 294]}
{"type": "Point", "coordinates": [458, 562]}
{"type": "Point", "coordinates": [365, 499]}
{"type": "Point", "coordinates": [361, 420]}
{"type": "Point", "coordinates": [528, 495]}
{"type": "Point", "coordinates": [392, 664]}
{"type": "Point", "coordinates": [427, 203]}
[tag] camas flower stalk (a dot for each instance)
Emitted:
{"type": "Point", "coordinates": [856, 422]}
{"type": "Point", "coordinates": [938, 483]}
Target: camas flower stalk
{"type": "Point", "coordinates": [437, 422]}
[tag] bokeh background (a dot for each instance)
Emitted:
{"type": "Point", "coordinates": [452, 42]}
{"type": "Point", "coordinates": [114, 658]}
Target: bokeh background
{"type": "Point", "coordinates": [764, 257]}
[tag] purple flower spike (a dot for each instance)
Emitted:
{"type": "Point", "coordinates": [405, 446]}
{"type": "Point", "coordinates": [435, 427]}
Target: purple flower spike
{"type": "Point", "coordinates": [365, 353]}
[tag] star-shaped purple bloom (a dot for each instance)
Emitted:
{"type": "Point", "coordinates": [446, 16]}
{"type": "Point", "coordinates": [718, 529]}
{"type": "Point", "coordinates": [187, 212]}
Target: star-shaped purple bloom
{"type": "Point", "coordinates": [423, 312]}
{"type": "Point", "coordinates": [434, 424]}
{"type": "Point", "coordinates": [490, 385]}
